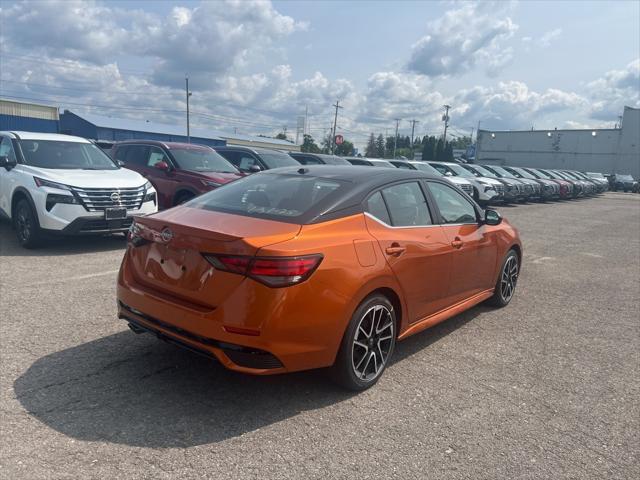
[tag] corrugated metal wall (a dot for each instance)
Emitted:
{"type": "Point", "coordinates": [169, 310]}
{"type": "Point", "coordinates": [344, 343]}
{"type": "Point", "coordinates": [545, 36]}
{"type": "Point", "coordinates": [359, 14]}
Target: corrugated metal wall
{"type": "Point", "coordinates": [13, 123]}
{"type": "Point", "coordinates": [29, 110]}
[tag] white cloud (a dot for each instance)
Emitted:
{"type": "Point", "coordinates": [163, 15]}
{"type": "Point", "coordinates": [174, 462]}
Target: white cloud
{"type": "Point", "coordinates": [549, 37]}
{"type": "Point", "coordinates": [614, 90]}
{"type": "Point", "coordinates": [462, 38]}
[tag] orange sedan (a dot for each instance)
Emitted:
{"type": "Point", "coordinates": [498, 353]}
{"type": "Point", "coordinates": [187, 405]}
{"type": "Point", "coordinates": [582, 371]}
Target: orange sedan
{"type": "Point", "coordinates": [317, 266]}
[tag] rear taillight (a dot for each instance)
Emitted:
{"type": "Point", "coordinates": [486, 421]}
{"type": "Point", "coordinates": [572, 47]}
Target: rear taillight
{"type": "Point", "coordinates": [272, 271]}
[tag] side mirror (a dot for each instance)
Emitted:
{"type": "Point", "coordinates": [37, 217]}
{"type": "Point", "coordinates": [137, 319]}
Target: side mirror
{"type": "Point", "coordinates": [6, 163]}
{"type": "Point", "coordinates": [491, 217]}
{"type": "Point", "coordinates": [120, 163]}
{"type": "Point", "coordinates": [164, 166]}
{"type": "Point", "coordinates": [254, 169]}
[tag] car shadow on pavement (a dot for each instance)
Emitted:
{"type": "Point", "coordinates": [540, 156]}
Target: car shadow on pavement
{"type": "Point", "coordinates": [58, 245]}
{"type": "Point", "coordinates": [135, 390]}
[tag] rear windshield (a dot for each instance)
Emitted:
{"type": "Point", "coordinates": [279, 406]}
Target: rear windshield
{"type": "Point", "coordinates": [277, 159]}
{"type": "Point", "coordinates": [65, 155]}
{"type": "Point", "coordinates": [201, 160]}
{"type": "Point", "coordinates": [283, 197]}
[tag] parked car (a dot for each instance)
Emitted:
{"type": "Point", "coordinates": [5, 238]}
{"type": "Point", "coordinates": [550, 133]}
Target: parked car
{"type": "Point", "coordinates": [549, 188]}
{"type": "Point", "coordinates": [178, 171]}
{"type": "Point", "coordinates": [60, 184]}
{"type": "Point", "coordinates": [513, 189]}
{"type": "Point", "coordinates": [590, 186]}
{"type": "Point", "coordinates": [253, 159]}
{"type": "Point", "coordinates": [623, 182]}
{"type": "Point", "coordinates": [369, 162]}
{"type": "Point", "coordinates": [566, 187]}
{"type": "Point", "coordinates": [532, 189]}
{"type": "Point", "coordinates": [485, 190]}
{"type": "Point", "coordinates": [578, 190]}
{"type": "Point", "coordinates": [600, 178]}
{"type": "Point", "coordinates": [264, 273]}
{"type": "Point", "coordinates": [463, 184]}
{"type": "Point", "coordinates": [318, 159]}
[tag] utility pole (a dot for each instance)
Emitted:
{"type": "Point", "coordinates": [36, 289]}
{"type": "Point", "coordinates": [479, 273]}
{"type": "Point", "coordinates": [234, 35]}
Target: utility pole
{"type": "Point", "coordinates": [413, 127]}
{"type": "Point", "coordinates": [188, 95]}
{"type": "Point", "coordinates": [335, 123]}
{"type": "Point", "coordinates": [395, 140]}
{"type": "Point", "coordinates": [445, 119]}
{"type": "Point", "coordinates": [472, 129]}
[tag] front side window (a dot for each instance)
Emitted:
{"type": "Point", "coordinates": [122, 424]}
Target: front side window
{"type": "Point", "coordinates": [156, 155]}
{"type": "Point", "coordinates": [6, 149]}
{"type": "Point", "coordinates": [407, 205]}
{"type": "Point", "coordinates": [278, 197]}
{"type": "Point", "coordinates": [58, 154]}
{"type": "Point", "coordinates": [454, 208]}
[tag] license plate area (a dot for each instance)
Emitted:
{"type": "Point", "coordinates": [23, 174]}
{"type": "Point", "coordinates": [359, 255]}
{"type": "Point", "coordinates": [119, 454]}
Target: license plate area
{"type": "Point", "coordinates": [115, 214]}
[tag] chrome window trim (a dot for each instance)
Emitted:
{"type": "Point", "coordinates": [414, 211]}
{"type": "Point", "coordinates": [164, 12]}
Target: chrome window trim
{"type": "Point", "coordinates": [391, 226]}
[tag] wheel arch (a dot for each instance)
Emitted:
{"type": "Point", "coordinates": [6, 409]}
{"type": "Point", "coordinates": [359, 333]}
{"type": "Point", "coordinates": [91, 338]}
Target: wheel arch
{"type": "Point", "coordinates": [21, 193]}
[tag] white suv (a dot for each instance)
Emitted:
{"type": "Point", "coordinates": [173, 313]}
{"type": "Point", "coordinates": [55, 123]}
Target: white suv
{"type": "Point", "coordinates": [52, 183]}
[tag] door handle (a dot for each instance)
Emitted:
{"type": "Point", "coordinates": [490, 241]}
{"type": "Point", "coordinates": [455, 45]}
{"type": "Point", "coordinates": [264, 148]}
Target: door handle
{"type": "Point", "coordinates": [395, 249]}
{"type": "Point", "coordinates": [457, 243]}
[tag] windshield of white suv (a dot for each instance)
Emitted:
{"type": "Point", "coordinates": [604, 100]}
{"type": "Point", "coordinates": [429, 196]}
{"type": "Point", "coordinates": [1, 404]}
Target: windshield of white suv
{"type": "Point", "coordinates": [519, 172]}
{"type": "Point", "coordinates": [200, 159]}
{"type": "Point", "coordinates": [65, 155]}
{"type": "Point", "coordinates": [456, 169]}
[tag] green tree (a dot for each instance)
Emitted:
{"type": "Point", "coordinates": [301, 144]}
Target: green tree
{"type": "Point", "coordinates": [309, 144]}
{"type": "Point", "coordinates": [281, 136]}
{"type": "Point", "coordinates": [448, 152]}
{"type": "Point", "coordinates": [345, 149]}
{"type": "Point", "coordinates": [371, 150]}
{"type": "Point", "coordinates": [439, 156]}
{"type": "Point", "coordinates": [428, 148]}
{"type": "Point", "coordinates": [380, 146]}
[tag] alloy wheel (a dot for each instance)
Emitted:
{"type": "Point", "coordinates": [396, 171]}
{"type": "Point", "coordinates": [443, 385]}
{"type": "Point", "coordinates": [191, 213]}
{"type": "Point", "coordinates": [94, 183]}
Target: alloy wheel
{"type": "Point", "coordinates": [24, 225]}
{"type": "Point", "coordinates": [373, 342]}
{"type": "Point", "coordinates": [509, 278]}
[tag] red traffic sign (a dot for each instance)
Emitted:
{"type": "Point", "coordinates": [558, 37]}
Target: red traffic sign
{"type": "Point", "coordinates": [339, 139]}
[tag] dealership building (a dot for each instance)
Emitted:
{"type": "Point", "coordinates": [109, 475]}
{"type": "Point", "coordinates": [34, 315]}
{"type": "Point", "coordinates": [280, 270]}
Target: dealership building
{"type": "Point", "coordinates": [606, 150]}
{"type": "Point", "coordinates": [31, 117]}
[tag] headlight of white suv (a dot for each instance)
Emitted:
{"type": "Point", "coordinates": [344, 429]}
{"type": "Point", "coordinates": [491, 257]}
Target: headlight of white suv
{"type": "Point", "coordinates": [149, 193]}
{"type": "Point", "coordinates": [41, 182]}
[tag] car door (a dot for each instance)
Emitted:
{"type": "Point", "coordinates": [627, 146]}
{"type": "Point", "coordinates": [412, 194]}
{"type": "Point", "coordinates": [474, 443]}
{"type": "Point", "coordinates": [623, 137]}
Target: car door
{"type": "Point", "coordinates": [474, 246]}
{"type": "Point", "coordinates": [8, 176]}
{"type": "Point", "coordinates": [417, 250]}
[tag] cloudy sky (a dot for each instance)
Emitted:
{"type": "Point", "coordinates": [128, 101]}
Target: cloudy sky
{"type": "Point", "coordinates": [255, 67]}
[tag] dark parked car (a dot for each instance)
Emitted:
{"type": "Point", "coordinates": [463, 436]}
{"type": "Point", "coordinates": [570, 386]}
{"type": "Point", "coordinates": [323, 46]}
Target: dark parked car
{"type": "Point", "coordinates": [550, 188]}
{"type": "Point", "coordinates": [318, 159]}
{"type": "Point", "coordinates": [178, 171]}
{"type": "Point", "coordinates": [532, 188]}
{"type": "Point", "coordinates": [625, 183]}
{"type": "Point", "coordinates": [565, 187]}
{"type": "Point", "coordinates": [254, 159]}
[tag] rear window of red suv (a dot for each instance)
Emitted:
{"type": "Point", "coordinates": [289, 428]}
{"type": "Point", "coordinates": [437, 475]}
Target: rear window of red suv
{"type": "Point", "coordinates": [283, 197]}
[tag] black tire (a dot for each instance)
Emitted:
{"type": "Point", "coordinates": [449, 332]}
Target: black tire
{"type": "Point", "coordinates": [377, 318]}
{"type": "Point", "coordinates": [183, 197]}
{"type": "Point", "coordinates": [26, 225]}
{"type": "Point", "coordinates": [507, 281]}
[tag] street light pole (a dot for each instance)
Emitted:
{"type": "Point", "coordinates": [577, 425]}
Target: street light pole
{"type": "Point", "coordinates": [445, 117]}
{"type": "Point", "coordinates": [188, 93]}
{"type": "Point", "coordinates": [335, 122]}
{"type": "Point", "coordinates": [395, 140]}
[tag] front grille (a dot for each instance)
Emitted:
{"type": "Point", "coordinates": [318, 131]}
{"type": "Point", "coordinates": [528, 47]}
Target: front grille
{"type": "Point", "coordinates": [499, 188]}
{"type": "Point", "coordinates": [528, 188]}
{"type": "Point", "coordinates": [466, 188]}
{"type": "Point", "coordinates": [98, 199]}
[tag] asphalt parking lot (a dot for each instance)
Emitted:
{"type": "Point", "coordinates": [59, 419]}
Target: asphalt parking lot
{"type": "Point", "coordinates": [545, 388]}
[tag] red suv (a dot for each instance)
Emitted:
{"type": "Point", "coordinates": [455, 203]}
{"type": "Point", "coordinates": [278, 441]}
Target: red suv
{"type": "Point", "coordinates": [178, 171]}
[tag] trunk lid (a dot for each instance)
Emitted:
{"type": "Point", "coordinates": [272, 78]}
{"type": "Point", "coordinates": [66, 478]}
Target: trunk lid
{"type": "Point", "coordinates": [171, 262]}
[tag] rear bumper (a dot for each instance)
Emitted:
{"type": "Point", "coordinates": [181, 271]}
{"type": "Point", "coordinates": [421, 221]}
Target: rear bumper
{"type": "Point", "coordinates": [255, 329]}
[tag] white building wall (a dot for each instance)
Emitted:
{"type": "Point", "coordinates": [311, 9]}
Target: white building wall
{"type": "Point", "coordinates": [599, 150]}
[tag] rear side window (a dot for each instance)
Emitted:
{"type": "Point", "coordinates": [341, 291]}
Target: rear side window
{"type": "Point", "coordinates": [277, 197]}
{"type": "Point", "coordinates": [133, 155]}
{"type": "Point", "coordinates": [355, 161]}
{"type": "Point", "coordinates": [377, 208]}
{"type": "Point", "coordinates": [241, 160]}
